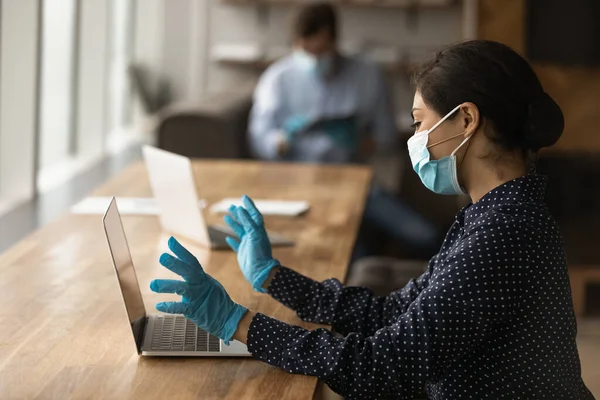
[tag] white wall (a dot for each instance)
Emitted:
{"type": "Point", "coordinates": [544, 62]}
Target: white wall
{"type": "Point", "coordinates": [112, 33]}
{"type": "Point", "coordinates": [178, 32]}
{"type": "Point", "coordinates": [238, 24]}
{"type": "Point", "coordinates": [58, 30]}
{"type": "Point", "coordinates": [121, 54]}
{"type": "Point", "coordinates": [199, 49]}
{"type": "Point", "coordinates": [18, 105]}
{"type": "Point", "coordinates": [148, 49]}
{"type": "Point", "coordinates": [185, 46]}
{"type": "Point", "coordinates": [93, 78]}
{"type": "Point", "coordinates": [149, 32]}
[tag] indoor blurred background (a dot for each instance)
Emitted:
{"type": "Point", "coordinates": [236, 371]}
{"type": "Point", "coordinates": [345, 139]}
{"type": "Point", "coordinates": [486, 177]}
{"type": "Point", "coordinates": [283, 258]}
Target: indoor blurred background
{"type": "Point", "coordinates": [84, 83]}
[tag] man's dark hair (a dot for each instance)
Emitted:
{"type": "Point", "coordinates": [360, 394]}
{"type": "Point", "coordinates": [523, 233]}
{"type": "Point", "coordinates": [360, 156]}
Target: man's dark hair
{"type": "Point", "coordinates": [315, 18]}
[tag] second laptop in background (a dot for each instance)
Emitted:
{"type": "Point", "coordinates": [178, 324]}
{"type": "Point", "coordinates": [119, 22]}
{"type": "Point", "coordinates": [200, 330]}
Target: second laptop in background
{"type": "Point", "coordinates": [174, 188]}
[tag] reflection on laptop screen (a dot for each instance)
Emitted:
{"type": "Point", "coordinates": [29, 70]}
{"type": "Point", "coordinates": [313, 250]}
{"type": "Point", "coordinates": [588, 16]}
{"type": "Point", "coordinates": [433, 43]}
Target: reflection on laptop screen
{"type": "Point", "coordinates": [123, 264]}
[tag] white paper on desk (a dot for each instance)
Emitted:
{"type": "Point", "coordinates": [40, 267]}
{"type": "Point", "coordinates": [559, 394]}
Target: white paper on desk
{"type": "Point", "coordinates": [266, 207]}
{"type": "Point", "coordinates": [126, 205]}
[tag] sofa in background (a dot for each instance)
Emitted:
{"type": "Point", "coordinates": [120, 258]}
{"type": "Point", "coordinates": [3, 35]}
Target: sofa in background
{"type": "Point", "coordinates": [213, 128]}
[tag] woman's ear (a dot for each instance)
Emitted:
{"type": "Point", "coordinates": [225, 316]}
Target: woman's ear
{"type": "Point", "coordinates": [470, 118]}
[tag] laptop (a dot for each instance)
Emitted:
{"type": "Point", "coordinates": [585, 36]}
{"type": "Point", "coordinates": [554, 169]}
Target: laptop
{"type": "Point", "coordinates": [174, 188]}
{"type": "Point", "coordinates": [158, 335]}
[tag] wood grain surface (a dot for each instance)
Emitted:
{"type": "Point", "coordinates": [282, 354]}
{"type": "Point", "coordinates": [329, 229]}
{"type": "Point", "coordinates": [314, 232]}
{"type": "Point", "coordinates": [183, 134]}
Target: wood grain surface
{"type": "Point", "coordinates": [64, 331]}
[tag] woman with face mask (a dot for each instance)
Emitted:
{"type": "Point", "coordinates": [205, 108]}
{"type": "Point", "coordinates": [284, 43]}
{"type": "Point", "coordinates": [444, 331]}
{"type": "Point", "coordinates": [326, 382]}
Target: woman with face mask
{"type": "Point", "coordinates": [491, 318]}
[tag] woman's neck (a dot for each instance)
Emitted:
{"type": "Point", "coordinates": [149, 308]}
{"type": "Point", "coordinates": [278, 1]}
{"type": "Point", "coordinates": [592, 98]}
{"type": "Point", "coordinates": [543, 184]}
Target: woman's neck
{"type": "Point", "coordinates": [481, 178]}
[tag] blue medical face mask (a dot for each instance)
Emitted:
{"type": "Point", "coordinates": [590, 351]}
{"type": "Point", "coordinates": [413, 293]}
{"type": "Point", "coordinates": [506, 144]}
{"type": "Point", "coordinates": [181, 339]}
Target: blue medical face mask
{"type": "Point", "coordinates": [319, 66]}
{"type": "Point", "coordinates": [439, 176]}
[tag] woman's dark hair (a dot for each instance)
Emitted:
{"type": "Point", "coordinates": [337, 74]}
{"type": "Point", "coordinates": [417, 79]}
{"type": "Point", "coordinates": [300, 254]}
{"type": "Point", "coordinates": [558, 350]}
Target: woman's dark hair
{"type": "Point", "coordinates": [315, 18]}
{"type": "Point", "coordinates": [501, 84]}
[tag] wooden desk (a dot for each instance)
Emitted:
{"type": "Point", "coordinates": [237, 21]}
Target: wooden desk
{"type": "Point", "coordinates": [64, 332]}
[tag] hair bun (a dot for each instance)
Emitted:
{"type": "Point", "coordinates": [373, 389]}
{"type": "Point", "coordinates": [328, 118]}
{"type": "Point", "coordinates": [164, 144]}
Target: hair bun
{"type": "Point", "coordinates": [545, 123]}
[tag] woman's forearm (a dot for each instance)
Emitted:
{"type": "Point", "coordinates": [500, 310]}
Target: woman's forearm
{"type": "Point", "coordinates": [272, 274]}
{"type": "Point", "coordinates": [311, 300]}
{"type": "Point", "coordinates": [241, 334]}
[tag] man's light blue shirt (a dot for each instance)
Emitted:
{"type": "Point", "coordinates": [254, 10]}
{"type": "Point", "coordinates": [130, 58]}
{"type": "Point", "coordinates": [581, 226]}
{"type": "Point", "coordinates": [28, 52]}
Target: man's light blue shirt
{"type": "Point", "coordinates": [286, 90]}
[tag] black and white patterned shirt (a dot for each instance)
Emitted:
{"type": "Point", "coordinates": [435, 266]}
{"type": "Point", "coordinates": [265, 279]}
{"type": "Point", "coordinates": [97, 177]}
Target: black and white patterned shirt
{"type": "Point", "coordinates": [492, 317]}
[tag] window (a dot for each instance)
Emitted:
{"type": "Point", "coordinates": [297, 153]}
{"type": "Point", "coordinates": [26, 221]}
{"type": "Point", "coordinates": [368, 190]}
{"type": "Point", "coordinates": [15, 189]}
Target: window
{"type": "Point", "coordinates": [65, 94]}
{"type": "Point", "coordinates": [85, 94]}
{"type": "Point", "coordinates": [57, 82]}
{"type": "Point", "coordinates": [19, 37]}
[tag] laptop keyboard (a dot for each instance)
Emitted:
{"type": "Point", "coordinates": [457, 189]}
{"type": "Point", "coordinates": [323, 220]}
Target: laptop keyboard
{"type": "Point", "coordinates": [177, 333]}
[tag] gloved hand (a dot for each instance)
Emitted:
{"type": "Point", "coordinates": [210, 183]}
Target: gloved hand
{"type": "Point", "coordinates": [294, 125]}
{"type": "Point", "coordinates": [253, 249]}
{"type": "Point", "coordinates": [205, 302]}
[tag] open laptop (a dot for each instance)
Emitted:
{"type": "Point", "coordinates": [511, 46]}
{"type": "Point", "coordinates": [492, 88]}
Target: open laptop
{"type": "Point", "coordinates": [157, 335]}
{"type": "Point", "coordinates": [174, 188]}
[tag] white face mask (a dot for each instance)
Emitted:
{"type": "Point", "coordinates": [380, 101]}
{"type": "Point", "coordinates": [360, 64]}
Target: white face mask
{"type": "Point", "coordinates": [319, 66]}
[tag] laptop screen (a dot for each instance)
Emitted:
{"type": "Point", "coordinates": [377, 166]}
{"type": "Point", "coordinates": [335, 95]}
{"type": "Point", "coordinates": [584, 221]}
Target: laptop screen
{"type": "Point", "coordinates": [130, 289]}
{"type": "Point", "coordinates": [174, 189]}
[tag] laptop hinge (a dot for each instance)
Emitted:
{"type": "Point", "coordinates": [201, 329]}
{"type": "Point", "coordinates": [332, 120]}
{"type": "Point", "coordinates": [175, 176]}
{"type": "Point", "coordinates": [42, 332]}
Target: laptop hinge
{"type": "Point", "coordinates": [139, 329]}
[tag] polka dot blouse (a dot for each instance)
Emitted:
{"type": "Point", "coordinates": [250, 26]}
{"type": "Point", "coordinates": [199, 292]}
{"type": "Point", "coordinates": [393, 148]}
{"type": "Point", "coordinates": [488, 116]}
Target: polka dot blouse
{"type": "Point", "coordinates": [491, 318]}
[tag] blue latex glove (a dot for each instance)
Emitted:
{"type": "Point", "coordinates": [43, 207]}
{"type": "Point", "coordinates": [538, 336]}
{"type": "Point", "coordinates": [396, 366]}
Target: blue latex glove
{"type": "Point", "coordinates": [204, 300]}
{"type": "Point", "coordinates": [253, 249]}
{"type": "Point", "coordinates": [294, 125]}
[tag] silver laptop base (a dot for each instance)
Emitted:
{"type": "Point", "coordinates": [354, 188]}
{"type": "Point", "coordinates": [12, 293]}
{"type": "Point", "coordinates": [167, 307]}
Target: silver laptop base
{"type": "Point", "coordinates": [175, 335]}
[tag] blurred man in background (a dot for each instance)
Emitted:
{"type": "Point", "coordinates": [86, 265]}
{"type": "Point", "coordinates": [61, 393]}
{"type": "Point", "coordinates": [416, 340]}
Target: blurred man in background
{"type": "Point", "coordinates": [317, 105]}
